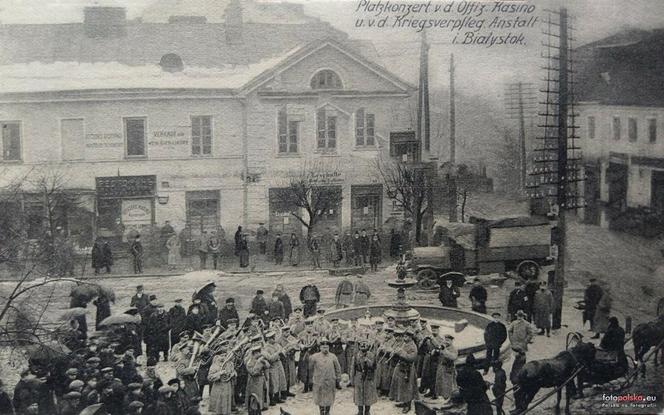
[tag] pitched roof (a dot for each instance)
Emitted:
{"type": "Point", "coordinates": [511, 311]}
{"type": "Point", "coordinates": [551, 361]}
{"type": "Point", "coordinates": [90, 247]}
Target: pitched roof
{"type": "Point", "coordinates": [624, 69]}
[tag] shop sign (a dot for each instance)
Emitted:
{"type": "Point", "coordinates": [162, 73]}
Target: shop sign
{"type": "Point", "coordinates": [169, 137]}
{"type": "Point", "coordinates": [107, 140]}
{"type": "Point", "coordinates": [126, 186]}
{"type": "Point", "coordinates": [137, 211]}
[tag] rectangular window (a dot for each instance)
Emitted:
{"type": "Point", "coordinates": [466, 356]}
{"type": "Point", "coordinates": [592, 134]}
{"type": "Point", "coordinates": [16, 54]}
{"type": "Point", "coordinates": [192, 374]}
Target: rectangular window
{"type": "Point", "coordinates": [201, 136]}
{"type": "Point", "coordinates": [591, 127]}
{"type": "Point", "coordinates": [11, 141]}
{"type": "Point", "coordinates": [364, 128]}
{"type": "Point", "coordinates": [327, 130]}
{"type": "Point", "coordinates": [632, 129]}
{"type": "Point", "coordinates": [616, 128]}
{"type": "Point", "coordinates": [72, 133]}
{"type": "Point", "coordinates": [652, 130]}
{"type": "Point", "coordinates": [135, 136]}
{"type": "Point", "coordinates": [288, 133]}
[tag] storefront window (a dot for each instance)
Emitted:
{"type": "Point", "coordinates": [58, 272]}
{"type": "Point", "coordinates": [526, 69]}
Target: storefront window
{"type": "Point", "coordinates": [202, 211]}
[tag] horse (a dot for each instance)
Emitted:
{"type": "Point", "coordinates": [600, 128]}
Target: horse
{"type": "Point", "coordinates": [552, 373]}
{"type": "Point", "coordinates": [645, 336]}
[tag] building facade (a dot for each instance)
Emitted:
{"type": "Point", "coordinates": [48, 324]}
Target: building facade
{"type": "Point", "coordinates": [206, 146]}
{"type": "Point", "coordinates": [620, 120]}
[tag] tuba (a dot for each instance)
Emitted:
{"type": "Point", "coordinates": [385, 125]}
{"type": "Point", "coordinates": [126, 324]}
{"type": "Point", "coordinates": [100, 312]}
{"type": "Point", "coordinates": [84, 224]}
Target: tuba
{"type": "Point", "coordinates": [198, 341]}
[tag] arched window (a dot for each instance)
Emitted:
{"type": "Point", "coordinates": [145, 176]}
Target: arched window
{"type": "Point", "coordinates": [326, 79]}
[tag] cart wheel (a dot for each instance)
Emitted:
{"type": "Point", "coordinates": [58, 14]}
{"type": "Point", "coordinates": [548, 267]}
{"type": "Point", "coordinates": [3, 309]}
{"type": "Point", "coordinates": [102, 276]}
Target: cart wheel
{"type": "Point", "coordinates": [528, 270]}
{"type": "Point", "coordinates": [427, 279]}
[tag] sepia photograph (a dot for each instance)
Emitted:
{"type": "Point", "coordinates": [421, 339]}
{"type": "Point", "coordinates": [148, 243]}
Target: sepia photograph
{"type": "Point", "coordinates": [331, 207]}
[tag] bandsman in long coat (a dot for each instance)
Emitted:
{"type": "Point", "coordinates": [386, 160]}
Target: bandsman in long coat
{"type": "Point", "coordinates": [308, 347]}
{"type": "Point", "coordinates": [430, 362]}
{"type": "Point", "coordinates": [403, 388]}
{"type": "Point", "coordinates": [272, 351]}
{"type": "Point", "coordinates": [335, 337]}
{"type": "Point", "coordinates": [446, 370]}
{"type": "Point", "coordinates": [326, 376]}
{"type": "Point", "coordinates": [352, 336]}
{"type": "Point", "coordinates": [386, 366]}
{"type": "Point", "coordinates": [177, 320]}
{"type": "Point", "coordinates": [362, 371]}
{"type": "Point", "coordinates": [291, 346]}
{"type": "Point", "coordinates": [257, 379]}
{"type": "Point", "coordinates": [221, 377]}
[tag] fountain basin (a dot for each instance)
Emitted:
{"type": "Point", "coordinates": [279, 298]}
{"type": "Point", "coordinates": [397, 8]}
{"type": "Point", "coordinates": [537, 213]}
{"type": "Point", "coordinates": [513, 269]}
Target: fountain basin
{"type": "Point", "coordinates": [469, 340]}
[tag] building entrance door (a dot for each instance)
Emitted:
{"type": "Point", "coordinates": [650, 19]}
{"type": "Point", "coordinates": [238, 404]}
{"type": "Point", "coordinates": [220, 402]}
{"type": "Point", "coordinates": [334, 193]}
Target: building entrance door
{"type": "Point", "coordinates": [367, 203]}
{"type": "Point", "coordinates": [657, 192]}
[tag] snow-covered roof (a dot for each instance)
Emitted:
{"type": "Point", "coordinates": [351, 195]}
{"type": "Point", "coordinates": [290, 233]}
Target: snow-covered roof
{"type": "Point", "coordinates": [73, 76]}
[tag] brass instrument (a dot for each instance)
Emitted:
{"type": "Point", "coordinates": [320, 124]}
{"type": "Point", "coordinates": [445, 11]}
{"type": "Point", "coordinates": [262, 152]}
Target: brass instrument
{"type": "Point", "coordinates": [214, 335]}
{"type": "Point", "coordinates": [198, 341]}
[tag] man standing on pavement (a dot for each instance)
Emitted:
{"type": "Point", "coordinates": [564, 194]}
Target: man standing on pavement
{"type": "Point", "coordinates": [214, 249]}
{"type": "Point", "coordinates": [495, 335]}
{"type": "Point", "coordinates": [518, 300]}
{"type": "Point", "coordinates": [278, 250]}
{"type": "Point", "coordinates": [261, 238]}
{"type": "Point", "coordinates": [357, 249]}
{"type": "Point", "coordinates": [403, 385]}
{"type": "Point", "coordinates": [591, 297]}
{"type": "Point", "coordinates": [449, 293]}
{"type": "Point", "coordinates": [326, 376]}
{"type": "Point", "coordinates": [344, 295]}
{"type": "Point", "coordinates": [347, 248]}
{"type": "Point", "coordinates": [542, 309]}
{"type": "Point", "coordinates": [203, 249]}
{"type": "Point", "coordinates": [177, 320]}
{"type": "Point", "coordinates": [137, 253]}
{"type": "Point", "coordinates": [365, 243]}
{"type": "Point", "coordinates": [362, 370]}
{"type": "Point", "coordinates": [314, 247]}
{"type": "Point", "coordinates": [309, 296]}
{"type": "Point", "coordinates": [285, 300]}
{"type": "Point", "coordinates": [140, 300]}
{"type": "Point", "coordinates": [362, 291]}
{"type": "Point", "coordinates": [446, 370]}
{"type": "Point", "coordinates": [336, 251]}
{"type": "Point", "coordinates": [478, 296]}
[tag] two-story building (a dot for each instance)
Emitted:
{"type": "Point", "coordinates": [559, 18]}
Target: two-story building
{"type": "Point", "coordinates": [198, 122]}
{"type": "Point", "coordinates": [621, 119]}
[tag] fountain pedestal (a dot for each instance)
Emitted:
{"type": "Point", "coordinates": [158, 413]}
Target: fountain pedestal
{"type": "Point", "coordinates": [401, 311]}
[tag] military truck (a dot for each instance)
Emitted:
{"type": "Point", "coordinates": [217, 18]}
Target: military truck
{"type": "Point", "coordinates": [519, 244]}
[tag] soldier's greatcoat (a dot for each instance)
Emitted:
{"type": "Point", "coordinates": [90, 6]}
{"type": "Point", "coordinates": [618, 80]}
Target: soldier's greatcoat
{"type": "Point", "coordinates": [362, 372]}
{"type": "Point", "coordinates": [326, 373]}
{"type": "Point", "coordinates": [403, 387]}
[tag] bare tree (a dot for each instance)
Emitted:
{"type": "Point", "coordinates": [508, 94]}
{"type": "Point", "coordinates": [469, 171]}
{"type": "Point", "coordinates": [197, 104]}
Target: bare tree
{"type": "Point", "coordinates": [409, 184]}
{"type": "Point", "coordinates": [309, 193]}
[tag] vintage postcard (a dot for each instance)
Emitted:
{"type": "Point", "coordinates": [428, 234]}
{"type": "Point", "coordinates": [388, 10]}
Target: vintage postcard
{"type": "Point", "coordinates": [331, 207]}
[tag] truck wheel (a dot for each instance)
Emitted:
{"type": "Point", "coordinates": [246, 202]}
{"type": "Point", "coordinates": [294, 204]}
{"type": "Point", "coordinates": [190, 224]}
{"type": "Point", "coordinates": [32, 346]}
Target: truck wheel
{"type": "Point", "coordinates": [426, 279]}
{"type": "Point", "coordinates": [528, 270]}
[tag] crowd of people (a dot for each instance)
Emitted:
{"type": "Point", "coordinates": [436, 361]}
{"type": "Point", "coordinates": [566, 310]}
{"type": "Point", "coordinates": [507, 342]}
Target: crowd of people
{"type": "Point", "coordinates": [350, 249]}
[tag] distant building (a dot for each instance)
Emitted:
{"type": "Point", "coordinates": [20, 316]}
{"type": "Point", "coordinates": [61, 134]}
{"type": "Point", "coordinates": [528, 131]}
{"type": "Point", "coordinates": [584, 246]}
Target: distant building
{"type": "Point", "coordinates": [199, 121]}
{"type": "Point", "coordinates": [621, 118]}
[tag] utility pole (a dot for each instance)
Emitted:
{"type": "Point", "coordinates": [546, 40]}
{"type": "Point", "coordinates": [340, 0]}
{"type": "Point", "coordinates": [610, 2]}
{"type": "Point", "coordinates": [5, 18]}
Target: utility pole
{"type": "Point", "coordinates": [559, 163]}
{"type": "Point", "coordinates": [423, 118]}
{"type": "Point", "coordinates": [452, 113]}
{"type": "Point", "coordinates": [519, 103]}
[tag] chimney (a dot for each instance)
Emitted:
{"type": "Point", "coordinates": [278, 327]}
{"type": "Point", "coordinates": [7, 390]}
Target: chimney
{"type": "Point", "coordinates": [105, 22]}
{"type": "Point", "coordinates": [233, 22]}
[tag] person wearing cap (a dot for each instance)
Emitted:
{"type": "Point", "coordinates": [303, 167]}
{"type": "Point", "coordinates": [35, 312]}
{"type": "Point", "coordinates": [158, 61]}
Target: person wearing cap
{"type": "Point", "coordinates": [309, 296]}
{"type": "Point", "coordinates": [139, 300]}
{"type": "Point", "coordinates": [195, 320]}
{"type": "Point", "coordinates": [275, 308]}
{"type": "Point", "coordinates": [449, 293]}
{"type": "Point", "coordinates": [335, 336]}
{"type": "Point", "coordinates": [375, 252]}
{"type": "Point", "coordinates": [602, 313]}
{"type": "Point", "coordinates": [222, 376]}
{"type": "Point", "coordinates": [23, 392]}
{"type": "Point", "coordinates": [362, 371]}
{"type": "Point", "coordinates": [70, 404]}
{"type": "Point", "coordinates": [308, 346]}
{"type": "Point", "coordinates": [189, 385]}
{"type": "Point", "coordinates": [495, 334]}
{"type": "Point", "coordinates": [136, 251]}
{"type": "Point", "coordinates": [291, 346]}
{"type": "Point", "coordinates": [261, 238]}
{"type": "Point", "coordinates": [296, 320]}
{"type": "Point", "coordinates": [294, 250]}
{"type": "Point", "coordinates": [259, 307]}
{"type": "Point", "coordinates": [387, 362]}
{"type": "Point", "coordinates": [276, 374]}
{"type": "Point", "coordinates": [177, 320]}
{"type": "Point", "coordinates": [257, 377]}
{"type": "Point", "coordinates": [163, 403]}
{"type": "Point", "coordinates": [499, 385]}
{"type": "Point", "coordinates": [478, 297]}
{"type": "Point", "coordinates": [543, 308]}
{"type": "Point", "coordinates": [518, 300]}
{"type": "Point", "coordinates": [178, 401]}
{"type": "Point", "coordinates": [285, 300]}
{"type": "Point", "coordinates": [214, 248]}
{"type": "Point", "coordinates": [243, 251]}
{"type": "Point", "coordinates": [446, 369]}
{"type": "Point", "coordinates": [314, 247]}
{"type": "Point", "coordinates": [135, 408]}
{"type": "Point", "coordinates": [344, 295]}
{"type": "Point", "coordinates": [362, 292]}
{"type": "Point", "coordinates": [336, 250]}
{"type": "Point", "coordinates": [228, 312]}
{"type": "Point", "coordinates": [133, 394]}
{"type": "Point", "coordinates": [403, 387]}
{"type": "Point", "coordinates": [278, 249]}
{"type": "Point", "coordinates": [156, 333]}
{"type": "Point", "coordinates": [472, 389]}
{"type": "Point", "coordinates": [520, 332]}
{"type": "Point", "coordinates": [326, 374]}
{"type": "Point", "coordinates": [347, 247]}
{"type": "Point", "coordinates": [430, 359]}
{"type": "Point", "coordinates": [591, 296]}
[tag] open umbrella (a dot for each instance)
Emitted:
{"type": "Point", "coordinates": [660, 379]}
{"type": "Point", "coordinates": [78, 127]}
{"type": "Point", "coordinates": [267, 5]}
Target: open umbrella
{"type": "Point", "coordinates": [204, 291]}
{"type": "Point", "coordinates": [47, 351]}
{"type": "Point", "coordinates": [72, 313]}
{"type": "Point", "coordinates": [120, 319]}
{"type": "Point", "coordinates": [92, 409]}
{"type": "Point", "coordinates": [106, 291]}
{"type": "Point", "coordinates": [85, 292]}
{"type": "Point", "coordinates": [132, 311]}
{"type": "Point", "coordinates": [458, 279]}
